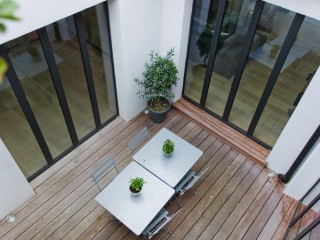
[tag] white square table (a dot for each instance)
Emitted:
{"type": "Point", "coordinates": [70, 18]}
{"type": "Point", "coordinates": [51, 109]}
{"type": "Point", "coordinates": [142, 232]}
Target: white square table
{"type": "Point", "coordinates": [135, 212]}
{"type": "Point", "coordinates": [169, 169]}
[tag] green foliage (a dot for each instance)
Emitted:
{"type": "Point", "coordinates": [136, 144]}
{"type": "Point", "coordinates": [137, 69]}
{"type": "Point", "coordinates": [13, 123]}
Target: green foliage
{"type": "Point", "coordinates": [3, 69]}
{"type": "Point", "coordinates": [7, 8]}
{"type": "Point", "coordinates": [168, 146]}
{"type": "Point", "coordinates": [33, 51]}
{"type": "Point", "coordinates": [159, 76]}
{"type": "Point", "coordinates": [137, 183]}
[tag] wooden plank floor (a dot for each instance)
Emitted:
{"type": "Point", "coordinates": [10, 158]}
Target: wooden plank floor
{"type": "Point", "coordinates": [235, 200]}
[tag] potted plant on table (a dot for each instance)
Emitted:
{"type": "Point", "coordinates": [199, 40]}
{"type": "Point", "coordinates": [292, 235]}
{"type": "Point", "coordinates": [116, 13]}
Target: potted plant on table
{"type": "Point", "coordinates": [34, 53]}
{"type": "Point", "coordinates": [168, 147]}
{"type": "Point", "coordinates": [274, 50]}
{"type": "Point", "coordinates": [159, 76]}
{"type": "Point", "coordinates": [136, 185]}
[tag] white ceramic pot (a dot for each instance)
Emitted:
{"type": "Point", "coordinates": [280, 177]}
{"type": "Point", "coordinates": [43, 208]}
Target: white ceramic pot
{"type": "Point", "coordinates": [135, 194]}
{"type": "Point", "coordinates": [167, 154]}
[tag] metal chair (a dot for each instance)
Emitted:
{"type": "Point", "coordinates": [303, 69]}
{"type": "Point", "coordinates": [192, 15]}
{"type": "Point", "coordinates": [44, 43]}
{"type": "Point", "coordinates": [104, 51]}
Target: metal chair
{"type": "Point", "coordinates": [102, 169]}
{"type": "Point", "coordinates": [190, 179]}
{"type": "Point", "coordinates": [136, 140]}
{"type": "Point", "coordinates": [158, 223]}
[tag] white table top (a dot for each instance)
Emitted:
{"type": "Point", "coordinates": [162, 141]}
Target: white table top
{"type": "Point", "coordinates": [135, 212]}
{"type": "Point", "coordinates": [169, 169]}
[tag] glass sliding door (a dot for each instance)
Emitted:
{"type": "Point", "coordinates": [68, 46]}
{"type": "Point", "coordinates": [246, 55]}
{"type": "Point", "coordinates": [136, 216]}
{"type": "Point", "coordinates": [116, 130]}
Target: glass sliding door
{"type": "Point", "coordinates": [16, 134]}
{"type": "Point", "coordinates": [268, 40]}
{"type": "Point", "coordinates": [263, 61]}
{"type": "Point", "coordinates": [236, 21]}
{"type": "Point", "coordinates": [202, 29]}
{"type": "Point", "coordinates": [296, 74]}
{"type": "Point", "coordinates": [65, 44]}
{"type": "Point", "coordinates": [62, 92]}
{"type": "Point", "coordinates": [100, 55]}
{"type": "Point", "coordinates": [33, 72]}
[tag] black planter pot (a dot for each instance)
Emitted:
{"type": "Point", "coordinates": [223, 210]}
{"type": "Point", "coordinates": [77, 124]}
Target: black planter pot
{"type": "Point", "coordinates": [158, 117]}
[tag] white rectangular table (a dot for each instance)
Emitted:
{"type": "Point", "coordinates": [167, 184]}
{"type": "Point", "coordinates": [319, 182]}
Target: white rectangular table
{"type": "Point", "coordinates": [135, 212]}
{"type": "Point", "coordinates": [169, 169]}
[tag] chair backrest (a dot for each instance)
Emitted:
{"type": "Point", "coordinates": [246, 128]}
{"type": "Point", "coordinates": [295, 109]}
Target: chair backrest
{"type": "Point", "coordinates": [159, 222]}
{"type": "Point", "coordinates": [102, 169]}
{"type": "Point", "coordinates": [134, 142]}
{"type": "Point", "coordinates": [189, 181]}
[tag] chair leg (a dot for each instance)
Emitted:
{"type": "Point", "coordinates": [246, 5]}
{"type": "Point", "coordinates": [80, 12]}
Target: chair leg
{"type": "Point", "coordinates": [179, 202]}
{"type": "Point", "coordinates": [146, 238]}
{"type": "Point", "coordinates": [98, 186]}
{"type": "Point", "coordinates": [114, 218]}
{"type": "Point", "coordinates": [167, 232]}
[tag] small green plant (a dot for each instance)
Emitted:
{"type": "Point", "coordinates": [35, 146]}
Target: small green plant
{"type": "Point", "coordinates": [7, 10]}
{"type": "Point", "coordinates": [168, 146]}
{"type": "Point", "coordinates": [33, 51]}
{"type": "Point", "coordinates": [274, 50]}
{"type": "Point", "coordinates": [136, 184]}
{"type": "Point", "coordinates": [159, 76]}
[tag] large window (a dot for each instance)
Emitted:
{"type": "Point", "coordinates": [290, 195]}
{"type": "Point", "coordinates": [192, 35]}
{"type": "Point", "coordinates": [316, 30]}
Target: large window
{"type": "Point", "coordinates": [59, 89]}
{"type": "Point", "coordinates": [296, 73]}
{"type": "Point", "coordinates": [249, 63]}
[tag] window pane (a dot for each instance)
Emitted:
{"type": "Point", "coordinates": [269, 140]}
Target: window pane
{"type": "Point", "coordinates": [268, 40]}
{"type": "Point", "coordinates": [31, 67]}
{"type": "Point", "coordinates": [203, 21]}
{"type": "Point", "coordinates": [100, 59]}
{"type": "Point", "coordinates": [16, 133]}
{"type": "Point", "coordinates": [234, 28]}
{"type": "Point", "coordinates": [295, 76]}
{"type": "Point", "coordinates": [65, 44]}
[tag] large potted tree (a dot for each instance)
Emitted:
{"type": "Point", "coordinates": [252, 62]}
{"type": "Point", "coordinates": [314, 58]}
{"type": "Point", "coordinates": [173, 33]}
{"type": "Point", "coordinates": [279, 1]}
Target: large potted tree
{"type": "Point", "coordinates": [159, 76]}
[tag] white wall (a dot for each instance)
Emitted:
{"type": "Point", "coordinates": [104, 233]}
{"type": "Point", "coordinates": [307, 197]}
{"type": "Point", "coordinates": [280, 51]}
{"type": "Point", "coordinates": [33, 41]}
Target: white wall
{"type": "Point", "coordinates": [137, 27]}
{"type": "Point", "coordinates": [307, 7]}
{"type": "Point", "coordinates": [175, 33]}
{"type": "Point", "coordinates": [14, 188]}
{"type": "Point", "coordinates": [302, 124]}
{"type": "Point", "coordinates": [35, 14]}
{"type": "Point", "coordinates": [306, 177]}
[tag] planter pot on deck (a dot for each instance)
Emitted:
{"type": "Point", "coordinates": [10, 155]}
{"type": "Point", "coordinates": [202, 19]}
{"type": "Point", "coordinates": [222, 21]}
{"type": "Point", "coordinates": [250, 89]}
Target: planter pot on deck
{"type": "Point", "coordinates": [159, 116]}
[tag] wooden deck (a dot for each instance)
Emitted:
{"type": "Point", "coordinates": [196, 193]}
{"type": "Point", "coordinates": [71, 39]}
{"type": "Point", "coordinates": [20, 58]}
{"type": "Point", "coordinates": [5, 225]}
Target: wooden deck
{"type": "Point", "coordinates": [236, 200]}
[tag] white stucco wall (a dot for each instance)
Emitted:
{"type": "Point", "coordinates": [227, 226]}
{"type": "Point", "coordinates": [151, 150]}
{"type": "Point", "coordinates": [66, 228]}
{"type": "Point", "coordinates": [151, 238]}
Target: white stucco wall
{"type": "Point", "coordinates": [137, 28]}
{"type": "Point", "coordinates": [35, 14]}
{"type": "Point", "coordinates": [305, 178]}
{"type": "Point", "coordinates": [135, 31]}
{"type": "Point", "coordinates": [175, 33]}
{"type": "Point", "coordinates": [14, 188]}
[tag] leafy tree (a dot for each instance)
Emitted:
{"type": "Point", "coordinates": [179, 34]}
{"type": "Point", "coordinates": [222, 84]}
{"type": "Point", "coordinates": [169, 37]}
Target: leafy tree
{"type": "Point", "coordinates": [159, 76]}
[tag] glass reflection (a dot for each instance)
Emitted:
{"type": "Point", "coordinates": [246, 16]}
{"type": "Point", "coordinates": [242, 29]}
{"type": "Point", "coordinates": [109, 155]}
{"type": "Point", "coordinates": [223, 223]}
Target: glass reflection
{"type": "Point", "coordinates": [16, 134]}
{"type": "Point", "coordinates": [65, 44]}
{"type": "Point", "coordinates": [100, 57]}
{"type": "Point", "coordinates": [234, 28]}
{"type": "Point", "coordinates": [205, 13]}
{"type": "Point", "coordinates": [268, 40]}
{"type": "Point", "coordinates": [295, 76]}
